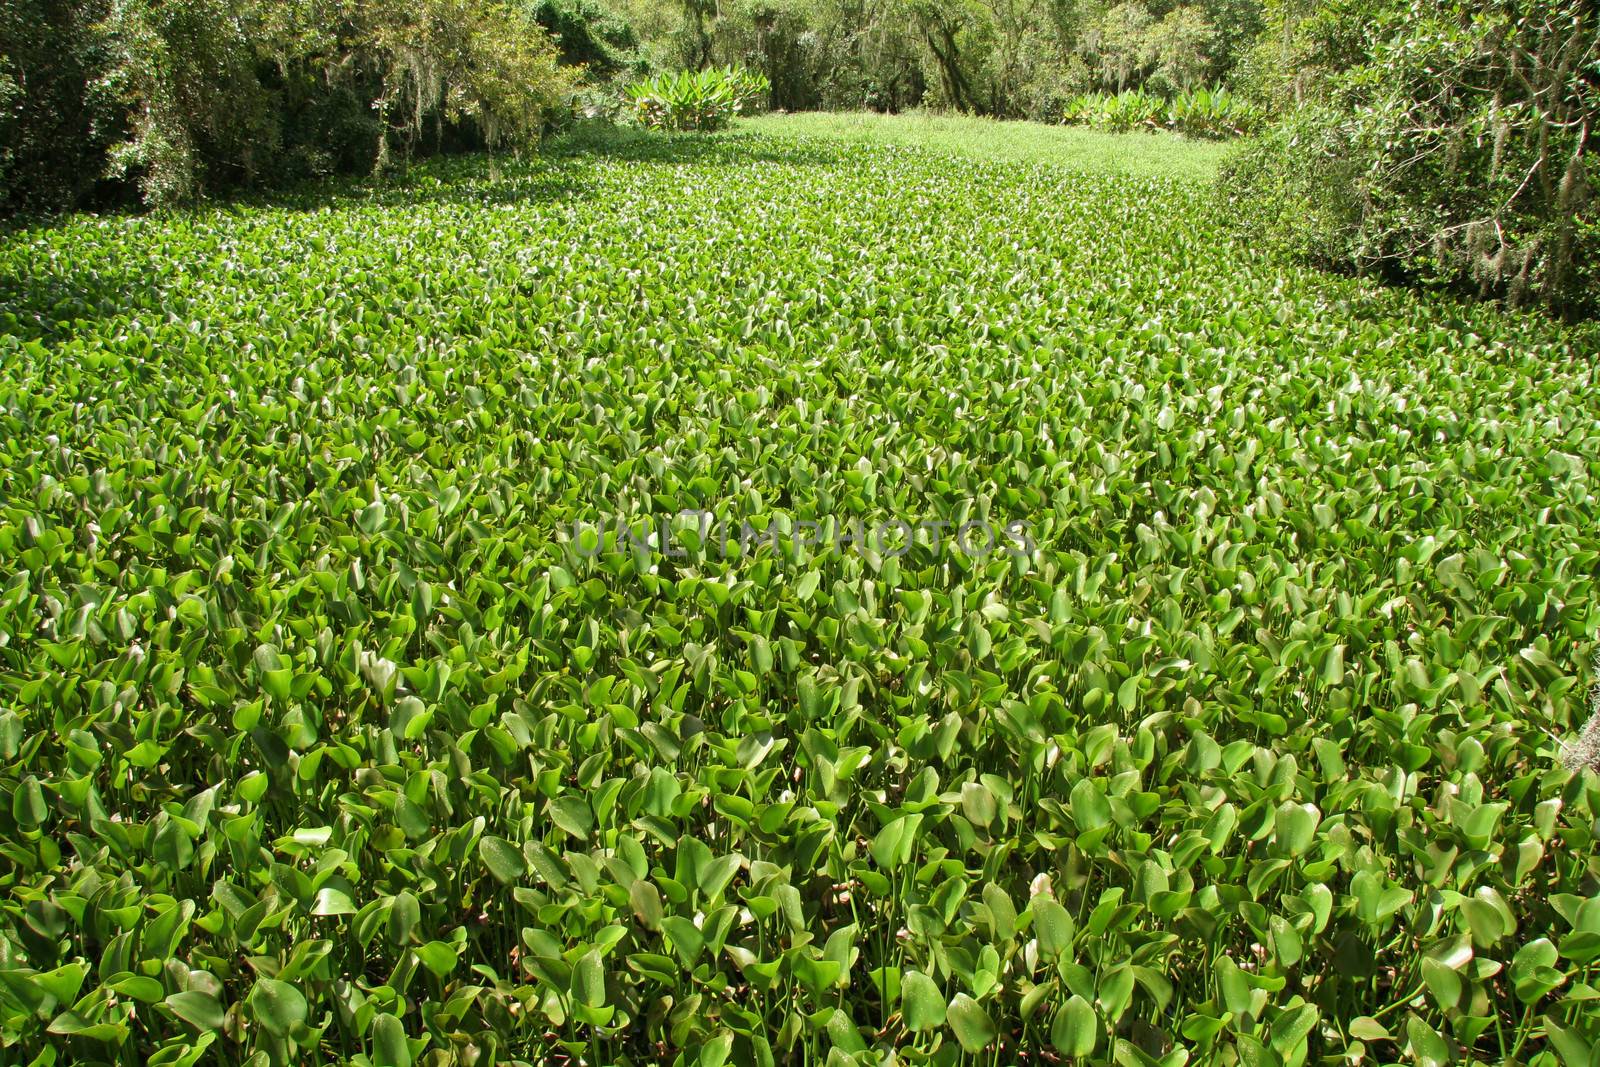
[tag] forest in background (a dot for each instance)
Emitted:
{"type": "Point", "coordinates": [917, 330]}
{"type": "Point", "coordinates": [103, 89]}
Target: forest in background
{"type": "Point", "coordinates": [170, 98]}
{"type": "Point", "coordinates": [1441, 143]}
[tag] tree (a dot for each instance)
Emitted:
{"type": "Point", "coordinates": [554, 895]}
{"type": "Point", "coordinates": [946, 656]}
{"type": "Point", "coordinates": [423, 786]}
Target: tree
{"type": "Point", "coordinates": [1445, 144]}
{"type": "Point", "coordinates": [1179, 47]}
{"type": "Point", "coordinates": [186, 70]}
{"type": "Point", "coordinates": [184, 97]}
{"type": "Point", "coordinates": [1118, 43]}
{"type": "Point", "coordinates": [54, 124]}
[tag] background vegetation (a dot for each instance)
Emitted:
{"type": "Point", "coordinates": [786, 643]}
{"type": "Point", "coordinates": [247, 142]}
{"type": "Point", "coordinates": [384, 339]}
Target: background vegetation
{"type": "Point", "coordinates": [1070, 148]}
{"type": "Point", "coordinates": [1445, 144]}
{"type": "Point", "coordinates": [165, 100]}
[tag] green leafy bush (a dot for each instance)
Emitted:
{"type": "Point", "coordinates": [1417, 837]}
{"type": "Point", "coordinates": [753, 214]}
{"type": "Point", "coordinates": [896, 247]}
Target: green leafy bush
{"type": "Point", "coordinates": [1131, 109]}
{"type": "Point", "coordinates": [697, 100]}
{"type": "Point", "coordinates": [56, 119]}
{"type": "Point", "coordinates": [1211, 112]}
{"type": "Point", "coordinates": [1200, 112]}
{"type": "Point", "coordinates": [1441, 144]}
{"type": "Point", "coordinates": [183, 98]}
{"type": "Point", "coordinates": [589, 35]}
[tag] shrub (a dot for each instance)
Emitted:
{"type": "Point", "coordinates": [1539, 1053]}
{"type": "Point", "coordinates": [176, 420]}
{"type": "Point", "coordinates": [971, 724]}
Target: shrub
{"type": "Point", "coordinates": [588, 35]}
{"type": "Point", "coordinates": [1297, 187]}
{"type": "Point", "coordinates": [696, 100]}
{"type": "Point", "coordinates": [1196, 113]}
{"type": "Point", "coordinates": [1211, 113]}
{"type": "Point", "coordinates": [182, 98]}
{"type": "Point", "coordinates": [1121, 112]}
{"type": "Point", "coordinates": [186, 73]}
{"type": "Point", "coordinates": [1453, 149]}
{"type": "Point", "coordinates": [54, 126]}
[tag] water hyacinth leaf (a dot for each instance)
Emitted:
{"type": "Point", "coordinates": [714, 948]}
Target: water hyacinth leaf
{"type": "Point", "coordinates": [1076, 1029]}
{"type": "Point", "coordinates": [61, 985]}
{"type": "Point", "coordinates": [277, 1006]}
{"type": "Point", "coordinates": [502, 858]}
{"type": "Point", "coordinates": [390, 1048]}
{"type": "Point", "coordinates": [973, 1027]}
{"type": "Point", "coordinates": [1425, 1043]}
{"type": "Point", "coordinates": [72, 1024]}
{"type": "Point", "coordinates": [1569, 1043]}
{"type": "Point", "coordinates": [572, 814]}
{"type": "Point", "coordinates": [1233, 986]}
{"type": "Point", "coordinates": [200, 1010]}
{"type": "Point", "coordinates": [589, 979]}
{"type": "Point", "coordinates": [28, 806]}
{"type": "Point", "coordinates": [1297, 827]}
{"type": "Point", "coordinates": [977, 803]}
{"type": "Point", "coordinates": [1116, 991]}
{"type": "Point", "coordinates": [371, 518]}
{"type": "Point", "coordinates": [646, 901]}
{"type": "Point", "coordinates": [1368, 1029]}
{"type": "Point", "coordinates": [1002, 912]}
{"type": "Point", "coordinates": [139, 988]}
{"type": "Point", "coordinates": [844, 1035]}
{"type": "Point", "coordinates": [1532, 971]}
{"type": "Point", "coordinates": [715, 1052]}
{"type": "Point", "coordinates": [893, 845]}
{"type": "Point", "coordinates": [437, 956]}
{"type": "Point", "coordinates": [1291, 1028]}
{"type": "Point", "coordinates": [404, 913]}
{"type": "Point", "coordinates": [1052, 926]}
{"type": "Point", "coordinates": [332, 901]}
{"type": "Point", "coordinates": [1090, 808]}
{"type": "Point", "coordinates": [1483, 920]}
{"type": "Point", "coordinates": [685, 937]}
{"type": "Point", "coordinates": [922, 1003]}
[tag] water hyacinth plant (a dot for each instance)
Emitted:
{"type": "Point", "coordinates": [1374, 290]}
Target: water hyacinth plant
{"type": "Point", "coordinates": [326, 738]}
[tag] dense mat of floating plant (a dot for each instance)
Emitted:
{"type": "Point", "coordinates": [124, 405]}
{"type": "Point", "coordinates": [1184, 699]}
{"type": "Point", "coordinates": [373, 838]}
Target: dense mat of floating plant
{"type": "Point", "coordinates": [323, 740]}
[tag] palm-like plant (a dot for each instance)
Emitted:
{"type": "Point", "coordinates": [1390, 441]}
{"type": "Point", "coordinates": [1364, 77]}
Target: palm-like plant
{"type": "Point", "coordinates": [696, 100]}
{"type": "Point", "coordinates": [1197, 112]}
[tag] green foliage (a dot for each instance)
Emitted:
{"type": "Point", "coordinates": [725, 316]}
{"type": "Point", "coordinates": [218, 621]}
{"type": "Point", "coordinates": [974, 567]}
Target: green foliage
{"type": "Point", "coordinates": [1179, 46]}
{"type": "Point", "coordinates": [991, 57]}
{"type": "Point", "coordinates": [1120, 46]}
{"type": "Point", "coordinates": [603, 45]}
{"type": "Point", "coordinates": [1201, 112]}
{"type": "Point", "coordinates": [1212, 112]}
{"type": "Point", "coordinates": [589, 35]}
{"type": "Point", "coordinates": [185, 71]}
{"type": "Point", "coordinates": [1121, 112]}
{"type": "Point", "coordinates": [54, 121]}
{"type": "Point", "coordinates": [1298, 187]}
{"type": "Point", "coordinates": [180, 99]}
{"type": "Point", "coordinates": [1444, 144]}
{"type": "Point", "coordinates": [699, 100]}
{"type": "Point", "coordinates": [187, 97]}
{"type": "Point", "coordinates": [325, 738]}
